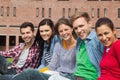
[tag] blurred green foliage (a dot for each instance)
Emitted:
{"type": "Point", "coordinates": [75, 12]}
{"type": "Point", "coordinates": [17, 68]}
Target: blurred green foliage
{"type": "Point", "coordinates": [9, 60]}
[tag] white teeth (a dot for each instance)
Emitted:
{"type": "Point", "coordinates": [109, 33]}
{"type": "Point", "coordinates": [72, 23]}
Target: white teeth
{"type": "Point", "coordinates": [106, 40]}
{"type": "Point", "coordinates": [82, 32]}
{"type": "Point", "coordinates": [65, 35]}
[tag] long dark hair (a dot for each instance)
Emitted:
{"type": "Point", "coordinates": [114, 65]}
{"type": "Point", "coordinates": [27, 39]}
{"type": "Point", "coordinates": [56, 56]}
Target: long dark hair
{"type": "Point", "coordinates": [104, 21]}
{"type": "Point", "coordinates": [38, 37]}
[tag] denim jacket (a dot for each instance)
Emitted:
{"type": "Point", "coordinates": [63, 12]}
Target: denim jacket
{"type": "Point", "coordinates": [54, 40]}
{"type": "Point", "coordinates": [94, 49]}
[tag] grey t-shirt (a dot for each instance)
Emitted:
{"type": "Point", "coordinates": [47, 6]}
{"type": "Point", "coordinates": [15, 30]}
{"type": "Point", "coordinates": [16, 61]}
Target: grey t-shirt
{"type": "Point", "coordinates": [22, 58]}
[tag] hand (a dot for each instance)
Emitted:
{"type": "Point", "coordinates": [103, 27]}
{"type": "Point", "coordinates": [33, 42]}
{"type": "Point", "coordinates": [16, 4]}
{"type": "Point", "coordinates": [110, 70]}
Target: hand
{"type": "Point", "coordinates": [12, 66]}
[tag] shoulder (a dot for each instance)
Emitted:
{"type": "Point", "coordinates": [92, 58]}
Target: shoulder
{"type": "Point", "coordinates": [116, 47]}
{"type": "Point", "coordinates": [58, 43]}
{"type": "Point", "coordinates": [20, 45]}
{"type": "Point", "coordinates": [94, 41]}
{"type": "Point", "coordinates": [92, 37]}
{"type": "Point", "coordinates": [116, 44]}
{"type": "Point", "coordinates": [56, 38]}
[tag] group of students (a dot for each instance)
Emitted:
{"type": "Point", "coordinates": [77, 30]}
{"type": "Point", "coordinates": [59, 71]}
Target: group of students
{"type": "Point", "coordinates": [68, 50]}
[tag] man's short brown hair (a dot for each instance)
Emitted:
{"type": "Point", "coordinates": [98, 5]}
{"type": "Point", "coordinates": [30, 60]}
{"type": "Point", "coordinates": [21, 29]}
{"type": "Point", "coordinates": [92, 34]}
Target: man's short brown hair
{"type": "Point", "coordinates": [80, 14]}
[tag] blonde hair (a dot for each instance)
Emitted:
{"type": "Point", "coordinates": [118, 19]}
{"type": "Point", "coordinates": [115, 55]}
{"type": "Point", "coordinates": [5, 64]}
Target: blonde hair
{"type": "Point", "coordinates": [78, 15]}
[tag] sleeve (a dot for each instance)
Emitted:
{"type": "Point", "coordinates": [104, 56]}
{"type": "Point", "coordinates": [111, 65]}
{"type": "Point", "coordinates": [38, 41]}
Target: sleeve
{"type": "Point", "coordinates": [101, 47]}
{"type": "Point", "coordinates": [12, 52]}
{"type": "Point", "coordinates": [40, 67]}
{"type": "Point", "coordinates": [57, 38]}
{"type": "Point", "coordinates": [55, 58]}
{"type": "Point", "coordinates": [117, 51]}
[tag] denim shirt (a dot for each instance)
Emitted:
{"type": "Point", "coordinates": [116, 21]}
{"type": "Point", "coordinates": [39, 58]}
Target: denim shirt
{"type": "Point", "coordinates": [94, 49]}
{"type": "Point", "coordinates": [54, 40]}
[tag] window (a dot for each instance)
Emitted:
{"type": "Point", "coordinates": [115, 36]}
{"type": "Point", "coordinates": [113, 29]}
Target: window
{"type": "Point", "coordinates": [8, 11]}
{"type": "Point", "coordinates": [49, 12]}
{"type": "Point", "coordinates": [37, 12]}
{"type": "Point", "coordinates": [2, 25]}
{"type": "Point", "coordinates": [69, 11]}
{"type": "Point", "coordinates": [98, 13]}
{"type": "Point", "coordinates": [93, 13]}
{"type": "Point", "coordinates": [14, 26]}
{"type": "Point", "coordinates": [2, 40]}
{"type": "Point", "coordinates": [118, 12]}
{"type": "Point", "coordinates": [14, 11]}
{"type": "Point", "coordinates": [36, 0]}
{"type": "Point", "coordinates": [105, 12]}
{"type": "Point", "coordinates": [20, 39]}
{"type": "Point", "coordinates": [42, 12]}
{"type": "Point", "coordinates": [2, 10]}
{"type": "Point", "coordinates": [63, 0]}
{"type": "Point", "coordinates": [76, 10]}
{"type": "Point", "coordinates": [63, 12]}
{"type": "Point", "coordinates": [93, 0]}
{"type": "Point", "coordinates": [106, 0]}
{"type": "Point", "coordinates": [12, 40]}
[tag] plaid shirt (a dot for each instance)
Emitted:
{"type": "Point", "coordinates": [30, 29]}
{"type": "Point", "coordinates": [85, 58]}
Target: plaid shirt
{"type": "Point", "coordinates": [32, 61]}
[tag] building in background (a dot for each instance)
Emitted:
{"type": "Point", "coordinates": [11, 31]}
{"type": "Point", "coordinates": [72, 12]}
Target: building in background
{"type": "Point", "coordinates": [15, 12]}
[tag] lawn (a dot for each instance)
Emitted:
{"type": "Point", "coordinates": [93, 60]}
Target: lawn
{"type": "Point", "coordinates": [9, 59]}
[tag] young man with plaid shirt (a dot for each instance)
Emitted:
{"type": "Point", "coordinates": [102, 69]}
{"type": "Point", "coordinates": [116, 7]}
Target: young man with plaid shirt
{"type": "Point", "coordinates": [26, 55]}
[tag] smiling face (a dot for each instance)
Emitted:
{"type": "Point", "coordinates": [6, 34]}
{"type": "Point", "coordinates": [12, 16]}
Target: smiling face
{"type": "Point", "coordinates": [27, 35]}
{"type": "Point", "coordinates": [45, 32]}
{"type": "Point", "coordinates": [106, 35]}
{"type": "Point", "coordinates": [65, 31]}
{"type": "Point", "coordinates": [81, 27]}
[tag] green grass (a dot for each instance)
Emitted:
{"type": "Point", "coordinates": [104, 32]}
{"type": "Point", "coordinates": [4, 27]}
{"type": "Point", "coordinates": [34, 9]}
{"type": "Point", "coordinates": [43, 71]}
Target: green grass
{"type": "Point", "coordinates": [9, 59]}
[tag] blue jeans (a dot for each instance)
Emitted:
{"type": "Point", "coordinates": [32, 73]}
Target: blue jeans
{"type": "Point", "coordinates": [32, 74]}
{"type": "Point", "coordinates": [6, 77]}
{"type": "Point", "coordinates": [4, 67]}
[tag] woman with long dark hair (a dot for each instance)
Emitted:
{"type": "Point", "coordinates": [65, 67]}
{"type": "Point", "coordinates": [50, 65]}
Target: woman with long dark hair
{"type": "Point", "coordinates": [45, 35]}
